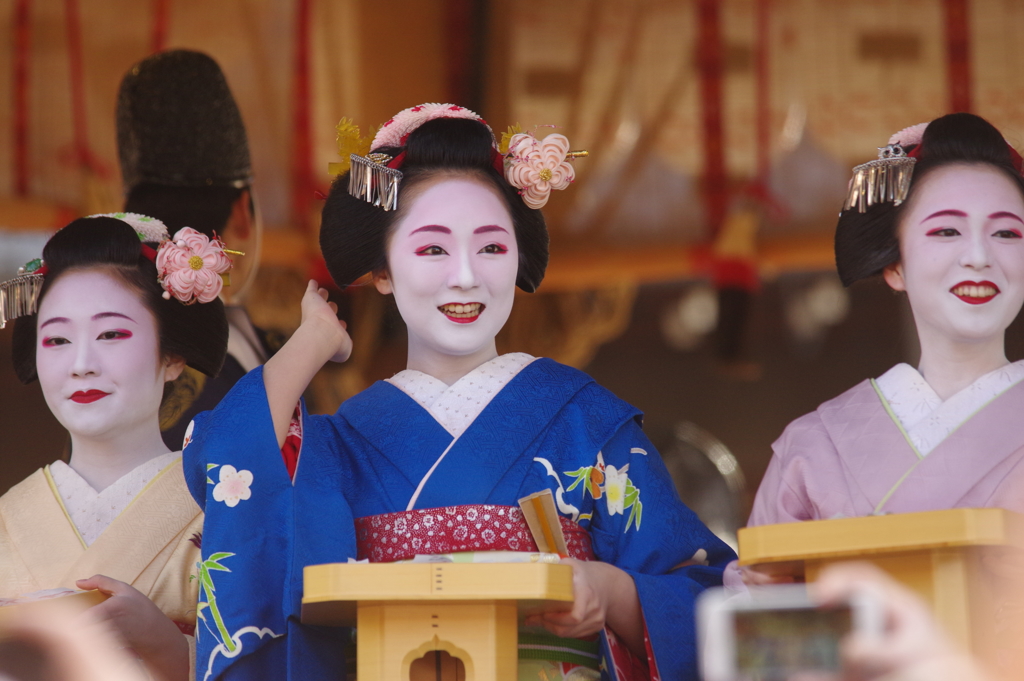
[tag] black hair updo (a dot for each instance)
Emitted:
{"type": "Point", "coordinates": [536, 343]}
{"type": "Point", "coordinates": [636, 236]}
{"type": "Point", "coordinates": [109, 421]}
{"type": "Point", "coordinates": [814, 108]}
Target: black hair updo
{"type": "Point", "coordinates": [198, 333]}
{"type": "Point", "coordinates": [866, 243]}
{"type": "Point", "coordinates": [354, 233]}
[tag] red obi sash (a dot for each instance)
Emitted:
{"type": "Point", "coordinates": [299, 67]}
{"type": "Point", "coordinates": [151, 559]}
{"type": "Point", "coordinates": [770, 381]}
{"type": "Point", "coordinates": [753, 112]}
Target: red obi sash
{"type": "Point", "coordinates": [453, 529]}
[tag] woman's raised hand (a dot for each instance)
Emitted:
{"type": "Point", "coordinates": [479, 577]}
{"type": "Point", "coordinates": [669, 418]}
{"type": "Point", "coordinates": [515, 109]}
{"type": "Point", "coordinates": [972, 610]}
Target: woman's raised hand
{"type": "Point", "coordinates": [320, 337]}
{"type": "Point", "coordinates": [322, 316]}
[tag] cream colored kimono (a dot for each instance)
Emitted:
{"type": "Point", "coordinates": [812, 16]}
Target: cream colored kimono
{"type": "Point", "coordinates": [152, 544]}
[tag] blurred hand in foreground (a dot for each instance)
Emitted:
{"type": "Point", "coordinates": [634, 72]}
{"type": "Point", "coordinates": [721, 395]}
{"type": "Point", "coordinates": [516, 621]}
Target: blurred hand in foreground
{"type": "Point", "coordinates": [142, 626]}
{"type": "Point", "coordinates": [49, 642]}
{"type": "Point", "coordinates": [912, 646]}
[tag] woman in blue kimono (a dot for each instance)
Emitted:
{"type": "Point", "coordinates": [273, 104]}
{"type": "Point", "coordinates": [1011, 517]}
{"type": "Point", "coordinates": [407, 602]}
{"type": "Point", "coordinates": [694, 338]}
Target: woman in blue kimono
{"type": "Point", "coordinates": [434, 460]}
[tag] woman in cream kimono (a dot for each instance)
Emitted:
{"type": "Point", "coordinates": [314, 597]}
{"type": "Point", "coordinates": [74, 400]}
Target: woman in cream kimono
{"type": "Point", "coordinates": [947, 231]}
{"type": "Point", "coordinates": [104, 343]}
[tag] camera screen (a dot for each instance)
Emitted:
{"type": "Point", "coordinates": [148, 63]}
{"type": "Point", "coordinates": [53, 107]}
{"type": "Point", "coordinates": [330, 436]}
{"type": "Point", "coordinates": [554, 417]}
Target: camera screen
{"type": "Point", "coordinates": [776, 645]}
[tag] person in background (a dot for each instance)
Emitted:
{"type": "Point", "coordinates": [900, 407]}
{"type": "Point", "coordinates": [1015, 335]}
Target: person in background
{"type": "Point", "coordinates": [185, 160]}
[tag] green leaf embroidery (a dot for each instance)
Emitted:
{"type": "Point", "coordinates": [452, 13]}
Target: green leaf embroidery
{"type": "Point", "coordinates": [580, 475]}
{"type": "Point", "coordinates": [635, 514]}
{"type": "Point", "coordinates": [206, 584]}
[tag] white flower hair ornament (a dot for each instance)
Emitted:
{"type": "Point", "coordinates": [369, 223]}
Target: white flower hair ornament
{"type": "Point", "coordinates": [149, 229]}
{"type": "Point", "coordinates": [536, 167]}
{"type": "Point", "coordinates": [192, 266]}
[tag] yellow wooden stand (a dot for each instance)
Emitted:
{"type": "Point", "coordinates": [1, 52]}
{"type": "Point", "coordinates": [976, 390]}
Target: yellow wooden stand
{"type": "Point", "coordinates": [936, 553]}
{"type": "Point", "coordinates": [405, 610]}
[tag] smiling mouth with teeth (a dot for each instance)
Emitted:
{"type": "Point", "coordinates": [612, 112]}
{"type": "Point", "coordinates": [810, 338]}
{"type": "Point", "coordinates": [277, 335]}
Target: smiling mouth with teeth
{"type": "Point", "coordinates": [463, 313]}
{"type": "Point", "coordinates": [975, 293]}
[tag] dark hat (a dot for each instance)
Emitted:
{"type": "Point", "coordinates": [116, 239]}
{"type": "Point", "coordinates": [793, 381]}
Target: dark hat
{"type": "Point", "coordinates": [177, 124]}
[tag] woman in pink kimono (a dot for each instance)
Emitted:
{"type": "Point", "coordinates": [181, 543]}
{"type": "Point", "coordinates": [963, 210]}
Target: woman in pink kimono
{"type": "Point", "coordinates": [940, 216]}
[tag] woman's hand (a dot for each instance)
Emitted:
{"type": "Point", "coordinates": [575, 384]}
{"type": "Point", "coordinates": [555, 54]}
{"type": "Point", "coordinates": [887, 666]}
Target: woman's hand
{"type": "Point", "coordinates": [320, 337]}
{"type": "Point", "coordinates": [322, 316]}
{"type": "Point", "coordinates": [142, 626]}
{"type": "Point", "coordinates": [754, 577]}
{"type": "Point", "coordinates": [604, 595]}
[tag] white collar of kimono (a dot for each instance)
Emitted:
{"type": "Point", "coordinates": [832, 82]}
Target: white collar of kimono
{"type": "Point", "coordinates": [92, 511]}
{"type": "Point", "coordinates": [456, 406]}
{"type": "Point", "coordinates": [925, 418]}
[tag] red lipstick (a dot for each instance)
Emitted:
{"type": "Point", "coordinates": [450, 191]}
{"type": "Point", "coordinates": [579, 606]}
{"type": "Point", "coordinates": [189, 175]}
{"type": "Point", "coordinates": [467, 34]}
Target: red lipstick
{"type": "Point", "coordinates": [975, 292]}
{"type": "Point", "coordinates": [88, 396]}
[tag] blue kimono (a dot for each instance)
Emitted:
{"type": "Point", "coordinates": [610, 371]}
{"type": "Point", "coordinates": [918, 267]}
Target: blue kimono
{"type": "Point", "coordinates": [550, 427]}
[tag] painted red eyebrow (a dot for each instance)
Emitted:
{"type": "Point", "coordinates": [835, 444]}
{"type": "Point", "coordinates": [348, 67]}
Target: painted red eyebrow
{"type": "Point", "coordinates": [101, 315]}
{"type": "Point", "coordinates": [431, 228]}
{"type": "Point", "coordinates": [489, 228]}
{"type": "Point", "coordinates": [951, 212]}
{"type": "Point", "coordinates": [1005, 214]}
{"type": "Point", "coordinates": [105, 315]}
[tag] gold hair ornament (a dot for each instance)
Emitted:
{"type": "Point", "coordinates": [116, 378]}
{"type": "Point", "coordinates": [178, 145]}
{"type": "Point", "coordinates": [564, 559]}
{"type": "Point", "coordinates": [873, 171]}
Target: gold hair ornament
{"type": "Point", "coordinates": [506, 137]}
{"type": "Point", "coordinates": [20, 296]}
{"type": "Point", "coordinates": [350, 141]}
{"type": "Point", "coordinates": [884, 180]}
{"type": "Point", "coordinates": [226, 276]}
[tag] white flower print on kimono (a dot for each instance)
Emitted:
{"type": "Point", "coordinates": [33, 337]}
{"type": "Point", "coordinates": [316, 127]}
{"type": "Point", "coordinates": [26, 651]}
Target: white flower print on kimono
{"type": "Point", "coordinates": [233, 486]}
{"type": "Point", "coordinates": [615, 482]}
{"type": "Point", "coordinates": [619, 492]}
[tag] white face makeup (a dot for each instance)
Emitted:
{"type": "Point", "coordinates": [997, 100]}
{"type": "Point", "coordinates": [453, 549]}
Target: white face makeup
{"type": "Point", "coordinates": [962, 255]}
{"type": "Point", "coordinates": [98, 356]}
{"type": "Point", "coordinates": [453, 262]}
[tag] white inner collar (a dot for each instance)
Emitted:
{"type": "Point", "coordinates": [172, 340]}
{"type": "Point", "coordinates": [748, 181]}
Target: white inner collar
{"type": "Point", "coordinates": [92, 511]}
{"type": "Point", "coordinates": [928, 420]}
{"type": "Point", "coordinates": [456, 406]}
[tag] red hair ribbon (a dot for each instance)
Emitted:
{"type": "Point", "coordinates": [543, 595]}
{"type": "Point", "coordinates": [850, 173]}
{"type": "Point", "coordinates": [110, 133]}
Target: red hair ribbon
{"type": "Point", "coordinates": [397, 161]}
{"type": "Point", "coordinates": [1016, 160]}
{"type": "Point", "coordinates": [149, 252]}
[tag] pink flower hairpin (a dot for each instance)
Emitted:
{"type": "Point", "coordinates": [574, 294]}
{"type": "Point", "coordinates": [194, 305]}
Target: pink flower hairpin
{"type": "Point", "coordinates": [190, 266]}
{"type": "Point", "coordinates": [538, 166]}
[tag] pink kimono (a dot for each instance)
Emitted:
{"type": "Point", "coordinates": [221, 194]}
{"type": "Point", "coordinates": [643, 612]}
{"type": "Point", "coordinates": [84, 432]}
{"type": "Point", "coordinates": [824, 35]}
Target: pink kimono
{"type": "Point", "coordinates": [852, 457]}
